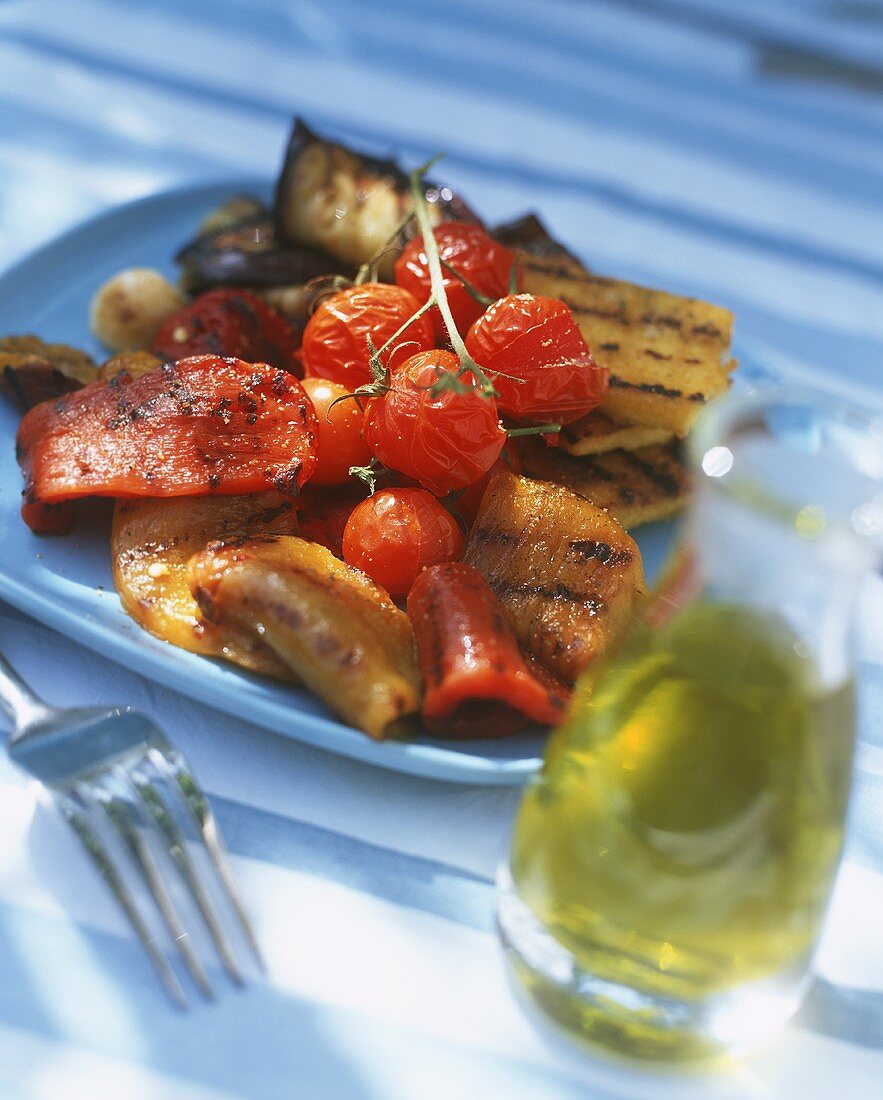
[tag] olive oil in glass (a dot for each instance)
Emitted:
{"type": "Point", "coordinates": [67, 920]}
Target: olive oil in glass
{"type": "Point", "coordinates": [672, 863]}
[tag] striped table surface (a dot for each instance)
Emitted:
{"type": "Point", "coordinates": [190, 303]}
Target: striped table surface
{"type": "Point", "coordinates": [725, 148]}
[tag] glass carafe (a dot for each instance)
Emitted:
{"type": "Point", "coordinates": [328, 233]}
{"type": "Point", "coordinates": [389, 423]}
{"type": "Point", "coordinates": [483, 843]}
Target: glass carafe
{"type": "Point", "coordinates": [672, 862]}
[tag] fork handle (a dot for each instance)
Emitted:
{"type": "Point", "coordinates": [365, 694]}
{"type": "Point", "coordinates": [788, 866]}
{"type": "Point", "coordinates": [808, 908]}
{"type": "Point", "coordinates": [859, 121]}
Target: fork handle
{"type": "Point", "coordinates": [16, 698]}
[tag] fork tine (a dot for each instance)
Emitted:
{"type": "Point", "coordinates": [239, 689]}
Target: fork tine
{"type": "Point", "coordinates": [125, 811]}
{"type": "Point", "coordinates": [178, 850]}
{"type": "Point", "coordinates": [74, 812]}
{"type": "Point", "coordinates": [171, 764]}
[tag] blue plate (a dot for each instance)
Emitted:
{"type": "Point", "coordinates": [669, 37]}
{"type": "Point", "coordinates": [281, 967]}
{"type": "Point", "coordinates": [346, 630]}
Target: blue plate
{"type": "Point", "coordinates": [66, 582]}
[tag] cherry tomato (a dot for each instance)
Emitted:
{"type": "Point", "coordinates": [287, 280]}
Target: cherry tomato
{"type": "Point", "coordinates": [445, 440]}
{"type": "Point", "coordinates": [335, 341]}
{"type": "Point", "coordinates": [230, 323]}
{"type": "Point", "coordinates": [393, 534]}
{"type": "Point", "coordinates": [483, 262]}
{"type": "Point", "coordinates": [537, 340]}
{"type": "Point", "coordinates": [340, 442]}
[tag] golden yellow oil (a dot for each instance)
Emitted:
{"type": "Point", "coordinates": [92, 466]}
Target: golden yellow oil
{"type": "Point", "coordinates": [682, 837]}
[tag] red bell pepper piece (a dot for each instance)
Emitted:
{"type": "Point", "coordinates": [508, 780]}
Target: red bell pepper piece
{"type": "Point", "coordinates": [477, 683]}
{"type": "Point", "coordinates": [194, 427]}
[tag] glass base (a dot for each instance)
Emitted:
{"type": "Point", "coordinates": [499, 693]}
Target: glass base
{"type": "Point", "coordinates": [632, 1022]}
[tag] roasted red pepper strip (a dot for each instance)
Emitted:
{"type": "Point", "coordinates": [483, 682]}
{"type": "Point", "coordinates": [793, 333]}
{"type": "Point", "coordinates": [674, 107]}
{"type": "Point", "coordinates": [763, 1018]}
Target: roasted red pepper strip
{"type": "Point", "coordinates": [229, 322]}
{"type": "Point", "coordinates": [49, 519]}
{"type": "Point", "coordinates": [476, 680]}
{"type": "Point", "coordinates": [197, 426]}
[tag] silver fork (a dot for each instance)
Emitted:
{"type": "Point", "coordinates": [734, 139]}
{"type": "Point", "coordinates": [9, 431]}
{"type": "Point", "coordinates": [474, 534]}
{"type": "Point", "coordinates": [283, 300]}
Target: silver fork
{"type": "Point", "coordinates": [130, 797]}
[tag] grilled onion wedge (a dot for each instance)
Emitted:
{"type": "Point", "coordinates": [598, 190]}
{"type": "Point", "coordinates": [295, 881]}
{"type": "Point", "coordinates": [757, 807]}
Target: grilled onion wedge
{"type": "Point", "coordinates": [566, 573]}
{"type": "Point", "coordinates": [151, 544]}
{"type": "Point", "coordinates": [330, 624]}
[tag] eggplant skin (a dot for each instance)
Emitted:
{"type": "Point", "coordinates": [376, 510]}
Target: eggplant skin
{"type": "Point", "coordinates": [347, 203]}
{"type": "Point", "coordinates": [529, 234]}
{"type": "Point", "coordinates": [250, 255]}
{"type": "Point", "coordinates": [330, 624]}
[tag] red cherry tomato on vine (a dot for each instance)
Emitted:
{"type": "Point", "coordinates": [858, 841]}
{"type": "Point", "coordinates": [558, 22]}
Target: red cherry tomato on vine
{"type": "Point", "coordinates": [444, 439]}
{"type": "Point", "coordinates": [340, 443]}
{"type": "Point", "coordinates": [229, 323]}
{"type": "Point", "coordinates": [537, 340]}
{"type": "Point", "coordinates": [483, 262]}
{"type": "Point", "coordinates": [393, 534]}
{"type": "Point", "coordinates": [335, 343]}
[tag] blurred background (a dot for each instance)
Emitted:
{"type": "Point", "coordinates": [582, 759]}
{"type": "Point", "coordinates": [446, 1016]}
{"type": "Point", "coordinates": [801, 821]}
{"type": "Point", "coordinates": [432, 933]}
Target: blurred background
{"type": "Point", "coordinates": [724, 148]}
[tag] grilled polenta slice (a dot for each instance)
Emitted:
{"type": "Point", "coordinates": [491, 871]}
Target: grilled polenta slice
{"type": "Point", "coordinates": [595, 433]}
{"type": "Point", "coordinates": [667, 355]}
{"type": "Point", "coordinates": [565, 572]}
{"type": "Point", "coordinates": [329, 623]}
{"type": "Point", "coordinates": [634, 486]}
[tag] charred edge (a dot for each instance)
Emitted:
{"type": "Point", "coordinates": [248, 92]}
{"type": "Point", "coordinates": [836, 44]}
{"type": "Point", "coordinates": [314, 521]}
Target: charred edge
{"type": "Point", "coordinates": [559, 593]}
{"type": "Point", "coordinates": [286, 480]}
{"type": "Point", "coordinates": [644, 387]}
{"type": "Point", "coordinates": [592, 550]}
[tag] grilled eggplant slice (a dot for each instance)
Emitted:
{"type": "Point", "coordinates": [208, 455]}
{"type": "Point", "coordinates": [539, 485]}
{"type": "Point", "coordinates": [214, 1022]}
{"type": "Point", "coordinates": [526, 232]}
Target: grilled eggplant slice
{"type": "Point", "coordinates": [346, 203]}
{"type": "Point", "coordinates": [596, 433]}
{"type": "Point", "coordinates": [250, 255]}
{"type": "Point", "coordinates": [151, 543]}
{"type": "Point", "coordinates": [330, 624]}
{"type": "Point", "coordinates": [32, 371]}
{"type": "Point", "coordinates": [528, 234]}
{"type": "Point", "coordinates": [634, 486]}
{"type": "Point", "coordinates": [564, 570]}
{"type": "Point", "coordinates": [667, 355]}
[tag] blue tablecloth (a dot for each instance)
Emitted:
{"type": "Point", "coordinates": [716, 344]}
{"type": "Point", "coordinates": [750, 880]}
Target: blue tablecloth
{"type": "Point", "coordinates": [725, 148]}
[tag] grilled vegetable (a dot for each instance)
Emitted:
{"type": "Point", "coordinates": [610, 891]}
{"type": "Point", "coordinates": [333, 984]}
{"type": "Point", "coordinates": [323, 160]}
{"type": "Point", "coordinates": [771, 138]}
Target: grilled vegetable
{"type": "Point", "coordinates": [348, 204]}
{"type": "Point", "coordinates": [229, 322]}
{"type": "Point", "coordinates": [596, 433]}
{"type": "Point", "coordinates": [32, 371]}
{"type": "Point", "coordinates": [565, 572]}
{"type": "Point", "coordinates": [190, 428]}
{"type": "Point", "coordinates": [634, 486]}
{"type": "Point", "coordinates": [330, 624]}
{"type": "Point", "coordinates": [528, 234]}
{"type": "Point", "coordinates": [667, 355]}
{"type": "Point", "coordinates": [132, 363]}
{"type": "Point", "coordinates": [237, 210]}
{"type": "Point", "coordinates": [49, 519]}
{"type": "Point", "coordinates": [127, 310]}
{"type": "Point", "coordinates": [476, 681]}
{"type": "Point", "coordinates": [250, 255]}
{"type": "Point", "coordinates": [151, 543]}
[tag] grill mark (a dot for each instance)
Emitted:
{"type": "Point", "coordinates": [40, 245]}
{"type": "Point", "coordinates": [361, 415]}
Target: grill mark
{"type": "Point", "coordinates": [557, 593]}
{"type": "Point", "coordinates": [665, 481]}
{"type": "Point", "coordinates": [617, 314]}
{"type": "Point", "coordinates": [707, 329]}
{"type": "Point", "coordinates": [603, 552]}
{"type": "Point", "coordinates": [488, 535]}
{"type": "Point", "coordinates": [654, 354]}
{"type": "Point", "coordinates": [609, 347]}
{"type": "Point", "coordinates": [663, 320]}
{"type": "Point", "coordinates": [645, 387]}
